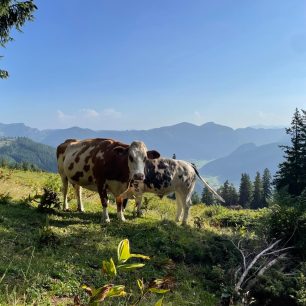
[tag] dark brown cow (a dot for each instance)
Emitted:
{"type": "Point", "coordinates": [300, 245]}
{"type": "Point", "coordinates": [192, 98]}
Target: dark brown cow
{"type": "Point", "coordinates": [102, 165]}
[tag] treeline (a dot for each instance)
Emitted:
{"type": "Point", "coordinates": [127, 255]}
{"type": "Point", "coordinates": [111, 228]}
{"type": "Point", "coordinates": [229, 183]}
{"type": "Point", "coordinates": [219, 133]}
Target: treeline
{"type": "Point", "coordinates": [252, 195]}
{"type": "Point", "coordinates": [289, 180]}
{"type": "Point", "coordinates": [25, 166]}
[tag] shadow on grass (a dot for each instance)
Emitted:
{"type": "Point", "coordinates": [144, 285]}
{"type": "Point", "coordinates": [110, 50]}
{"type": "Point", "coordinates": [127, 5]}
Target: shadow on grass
{"type": "Point", "coordinates": [83, 242]}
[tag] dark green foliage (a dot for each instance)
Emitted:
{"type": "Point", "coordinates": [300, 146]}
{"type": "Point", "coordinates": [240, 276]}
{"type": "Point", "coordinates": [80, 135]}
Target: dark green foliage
{"type": "Point", "coordinates": [49, 199]}
{"type": "Point", "coordinates": [207, 197]}
{"type": "Point", "coordinates": [287, 221]}
{"type": "Point", "coordinates": [195, 199]}
{"type": "Point", "coordinates": [291, 174]}
{"type": "Point", "coordinates": [23, 153]}
{"type": "Point", "coordinates": [47, 237]}
{"type": "Point", "coordinates": [245, 191]}
{"type": "Point", "coordinates": [5, 199]}
{"type": "Point", "coordinates": [228, 193]}
{"type": "Point", "coordinates": [266, 187]}
{"type": "Point", "coordinates": [257, 193]}
{"type": "Point", "coordinates": [13, 14]}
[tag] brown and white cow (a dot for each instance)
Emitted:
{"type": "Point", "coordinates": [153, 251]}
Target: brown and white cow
{"type": "Point", "coordinates": [102, 165]}
{"type": "Point", "coordinates": [164, 176]}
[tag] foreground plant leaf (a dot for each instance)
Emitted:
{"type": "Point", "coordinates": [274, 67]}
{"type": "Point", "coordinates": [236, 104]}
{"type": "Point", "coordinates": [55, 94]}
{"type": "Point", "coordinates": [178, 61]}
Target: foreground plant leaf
{"type": "Point", "coordinates": [140, 284]}
{"type": "Point", "coordinates": [88, 289]}
{"type": "Point", "coordinates": [159, 302]}
{"type": "Point", "coordinates": [140, 256]}
{"type": "Point", "coordinates": [123, 251]}
{"type": "Point", "coordinates": [131, 266]}
{"type": "Point", "coordinates": [117, 291]}
{"type": "Point", "coordinates": [109, 267]}
{"type": "Point", "coordinates": [160, 291]}
{"type": "Point", "coordinates": [100, 294]}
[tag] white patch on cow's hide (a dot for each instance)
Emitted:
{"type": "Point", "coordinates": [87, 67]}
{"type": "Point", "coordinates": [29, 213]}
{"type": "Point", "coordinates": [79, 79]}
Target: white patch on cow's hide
{"type": "Point", "coordinates": [100, 155]}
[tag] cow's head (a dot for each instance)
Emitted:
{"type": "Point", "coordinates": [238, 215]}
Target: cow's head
{"type": "Point", "coordinates": [137, 154]}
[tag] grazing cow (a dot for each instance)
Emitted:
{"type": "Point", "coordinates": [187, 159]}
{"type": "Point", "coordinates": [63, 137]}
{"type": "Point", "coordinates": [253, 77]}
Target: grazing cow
{"type": "Point", "coordinates": [164, 176]}
{"type": "Point", "coordinates": [102, 165]}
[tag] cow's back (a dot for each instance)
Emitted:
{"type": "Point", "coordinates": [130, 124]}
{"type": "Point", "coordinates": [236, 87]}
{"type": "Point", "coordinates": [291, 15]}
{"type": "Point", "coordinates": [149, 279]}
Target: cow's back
{"type": "Point", "coordinates": [88, 162]}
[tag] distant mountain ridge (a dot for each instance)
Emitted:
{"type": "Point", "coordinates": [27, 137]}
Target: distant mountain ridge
{"type": "Point", "coordinates": [188, 141]}
{"type": "Point", "coordinates": [247, 158]}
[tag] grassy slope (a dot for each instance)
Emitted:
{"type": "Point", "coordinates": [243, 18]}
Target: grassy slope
{"type": "Point", "coordinates": [32, 271]}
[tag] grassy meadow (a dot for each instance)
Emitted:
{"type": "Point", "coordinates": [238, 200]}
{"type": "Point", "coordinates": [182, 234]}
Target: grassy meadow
{"type": "Point", "coordinates": [46, 255]}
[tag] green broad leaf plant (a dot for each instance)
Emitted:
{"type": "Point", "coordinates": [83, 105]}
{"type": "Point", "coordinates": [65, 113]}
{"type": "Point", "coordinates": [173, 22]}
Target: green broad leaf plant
{"type": "Point", "coordinates": [98, 295]}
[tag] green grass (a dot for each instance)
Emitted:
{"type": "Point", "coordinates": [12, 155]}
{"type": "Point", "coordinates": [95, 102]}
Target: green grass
{"type": "Point", "coordinates": [47, 265]}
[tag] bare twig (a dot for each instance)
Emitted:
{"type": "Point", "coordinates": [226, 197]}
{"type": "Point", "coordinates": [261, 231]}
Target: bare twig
{"type": "Point", "coordinates": [252, 263]}
{"type": "Point", "coordinates": [271, 263]}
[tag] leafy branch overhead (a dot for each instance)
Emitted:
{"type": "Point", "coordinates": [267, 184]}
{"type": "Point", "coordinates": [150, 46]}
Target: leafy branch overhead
{"type": "Point", "coordinates": [13, 15]}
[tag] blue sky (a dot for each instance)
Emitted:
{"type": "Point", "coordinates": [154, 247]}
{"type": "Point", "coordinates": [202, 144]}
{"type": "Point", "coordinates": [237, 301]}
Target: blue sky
{"type": "Point", "coordinates": [117, 64]}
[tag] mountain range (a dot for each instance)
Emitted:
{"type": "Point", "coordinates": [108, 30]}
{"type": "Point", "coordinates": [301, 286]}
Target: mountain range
{"type": "Point", "coordinates": [227, 152]}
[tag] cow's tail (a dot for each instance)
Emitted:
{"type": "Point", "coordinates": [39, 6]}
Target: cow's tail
{"type": "Point", "coordinates": [206, 184]}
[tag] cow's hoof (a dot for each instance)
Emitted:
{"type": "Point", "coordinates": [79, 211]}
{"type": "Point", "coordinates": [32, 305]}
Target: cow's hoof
{"type": "Point", "coordinates": [81, 210]}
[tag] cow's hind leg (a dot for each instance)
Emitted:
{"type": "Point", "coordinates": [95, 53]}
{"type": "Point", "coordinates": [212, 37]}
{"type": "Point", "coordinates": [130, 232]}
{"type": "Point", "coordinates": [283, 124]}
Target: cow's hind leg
{"type": "Point", "coordinates": [185, 201]}
{"type": "Point", "coordinates": [65, 192]}
{"type": "Point", "coordinates": [78, 194]}
{"type": "Point", "coordinates": [179, 207]}
{"type": "Point", "coordinates": [119, 202]}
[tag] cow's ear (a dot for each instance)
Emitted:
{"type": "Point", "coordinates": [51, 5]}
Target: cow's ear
{"type": "Point", "coordinates": [120, 150]}
{"type": "Point", "coordinates": [153, 154]}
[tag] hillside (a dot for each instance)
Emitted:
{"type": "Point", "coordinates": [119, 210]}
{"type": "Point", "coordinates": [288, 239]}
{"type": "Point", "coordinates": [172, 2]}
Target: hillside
{"type": "Point", "coordinates": [21, 149]}
{"type": "Point", "coordinates": [248, 158]}
{"type": "Point", "coordinates": [206, 142]}
{"type": "Point", "coordinates": [46, 255]}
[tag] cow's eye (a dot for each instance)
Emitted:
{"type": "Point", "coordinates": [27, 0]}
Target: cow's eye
{"type": "Point", "coordinates": [131, 158]}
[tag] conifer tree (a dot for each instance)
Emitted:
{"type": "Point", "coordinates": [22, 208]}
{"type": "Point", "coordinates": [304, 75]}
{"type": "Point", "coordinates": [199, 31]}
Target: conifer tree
{"type": "Point", "coordinates": [207, 197]}
{"type": "Point", "coordinates": [266, 187]}
{"type": "Point", "coordinates": [228, 193]}
{"type": "Point", "coordinates": [245, 191]}
{"type": "Point", "coordinates": [257, 193]}
{"type": "Point", "coordinates": [291, 173]}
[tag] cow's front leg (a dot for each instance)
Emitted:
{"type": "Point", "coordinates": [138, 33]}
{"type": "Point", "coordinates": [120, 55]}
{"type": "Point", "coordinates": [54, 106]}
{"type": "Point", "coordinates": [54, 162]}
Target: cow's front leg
{"type": "Point", "coordinates": [65, 192]}
{"type": "Point", "coordinates": [119, 202]}
{"type": "Point", "coordinates": [138, 200]}
{"type": "Point", "coordinates": [78, 194]}
{"type": "Point", "coordinates": [104, 202]}
{"type": "Point", "coordinates": [105, 215]}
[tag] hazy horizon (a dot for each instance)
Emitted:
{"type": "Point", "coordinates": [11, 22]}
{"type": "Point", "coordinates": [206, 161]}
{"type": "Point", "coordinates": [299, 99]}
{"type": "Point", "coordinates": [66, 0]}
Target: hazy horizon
{"type": "Point", "coordinates": [259, 126]}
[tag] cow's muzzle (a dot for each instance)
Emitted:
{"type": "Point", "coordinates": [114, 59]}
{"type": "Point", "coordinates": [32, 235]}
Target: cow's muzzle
{"type": "Point", "coordinates": [138, 177]}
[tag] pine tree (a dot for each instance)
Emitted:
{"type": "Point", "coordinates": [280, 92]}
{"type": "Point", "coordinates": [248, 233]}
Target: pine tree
{"type": "Point", "coordinates": [195, 199]}
{"type": "Point", "coordinates": [303, 150]}
{"type": "Point", "coordinates": [224, 191]}
{"type": "Point", "coordinates": [233, 195]}
{"type": "Point", "coordinates": [228, 193]}
{"type": "Point", "coordinates": [245, 191]}
{"type": "Point", "coordinates": [257, 193]}
{"type": "Point", "coordinates": [266, 187]}
{"type": "Point", "coordinates": [207, 197]}
{"type": "Point", "coordinates": [291, 173]}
